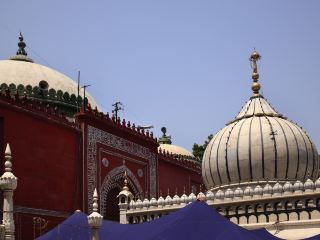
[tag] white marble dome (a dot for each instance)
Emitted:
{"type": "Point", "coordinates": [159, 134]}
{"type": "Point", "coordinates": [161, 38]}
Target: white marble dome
{"type": "Point", "coordinates": [29, 73]}
{"type": "Point", "coordinates": [175, 150]}
{"type": "Point", "coordinates": [259, 145]}
{"type": "Point", "coordinates": [165, 144]}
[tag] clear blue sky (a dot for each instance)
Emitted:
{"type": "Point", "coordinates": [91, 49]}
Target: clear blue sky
{"type": "Point", "coordinates": [178, 63]}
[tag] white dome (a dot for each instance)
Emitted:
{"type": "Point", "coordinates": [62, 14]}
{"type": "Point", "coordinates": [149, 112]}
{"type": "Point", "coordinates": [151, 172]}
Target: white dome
{"type": "Point", "coordinates": [277, 188]}
{"type": "Point", "coordinates": [228, 193]}
{"type": "Point", "coordinates": [210, 195]}
{"type": "Point", "coordinates": [238, 192]}
{"type": "Point", "coordinates": [248, 191]}
{"type": "Point", "coordinates": [259, 144]}
{"type": "Point", "coordinates": [287, 187]}
{"type": "Point", "coordinates": [267, 190]}
{"type": "Point", "coordinates": [257, 190]}
{"type": "Point", "coordinates": [220, 194]}
{"type": "Point", "coordinates": [317, 183]}
{"type": "Point", "coordinates": [29, 73]}
{"type": "Point", "coordinates": [298, 186]}
{"type": "Point", "coordinates": [308, 185]}
{"type": "Point", "coordinates": [175, 150]}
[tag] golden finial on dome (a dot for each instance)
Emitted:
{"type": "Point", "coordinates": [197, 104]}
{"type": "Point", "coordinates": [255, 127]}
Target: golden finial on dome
{"type": "Point", "coordinates": [125, 185]}
{"type": "Point", "coordinates": [255, 56]}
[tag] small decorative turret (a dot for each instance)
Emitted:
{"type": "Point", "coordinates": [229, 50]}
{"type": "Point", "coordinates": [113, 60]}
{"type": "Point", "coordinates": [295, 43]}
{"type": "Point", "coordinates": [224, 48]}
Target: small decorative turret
{"type": "Point", "coordinates": [95, 218]}
{"type": "Point", "coordinates": [21, 54]}
{"type": "Point", "coordinates": [164, 139]}
{"type": "Point", "coordinates": [8, 183]}
{"type": "Point", "coordinates": [125, 197]}
{"type": "Point", "coordinates": [255, 56]}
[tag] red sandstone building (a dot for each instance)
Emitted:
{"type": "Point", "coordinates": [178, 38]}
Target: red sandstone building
{"type": "Point", "coordinates": [62, 151]}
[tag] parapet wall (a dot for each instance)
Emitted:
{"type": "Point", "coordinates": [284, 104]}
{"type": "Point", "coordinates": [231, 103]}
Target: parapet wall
{"type": "Point", "coordinates": [268, 203]}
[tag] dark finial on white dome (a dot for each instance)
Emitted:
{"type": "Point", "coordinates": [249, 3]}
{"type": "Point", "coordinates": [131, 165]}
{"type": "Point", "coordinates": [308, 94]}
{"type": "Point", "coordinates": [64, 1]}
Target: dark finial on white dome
{"type": "Point", "coordinates": [21, 54]}
{"type": "Point", "coordinates": [21, 45]}
{"type": "Point", "coordinates": [164, 139]}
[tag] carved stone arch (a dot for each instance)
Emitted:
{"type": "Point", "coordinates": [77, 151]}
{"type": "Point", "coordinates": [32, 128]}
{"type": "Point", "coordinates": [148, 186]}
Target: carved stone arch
{"type": "Point", "coordinates": [240, 210]}
{"type": "Point", "coordinates": [114, 179]}
{"type": "Point", "coordinates": [250, 209]}
{"type": "Point", "coordinates": [268, 207]}
{"type": "Point", "coordinates": [230, 211]}
{"type": "Point", "coordinates": [299, 204]}
{"type": "Point", "coordinates": [309, 203]}
{"type": "Point", "coordinates": [278, 206]}
{"type": "Point", "coordinates": [288, 205]}
{"type": "Point", "coordinates": [258, 208]}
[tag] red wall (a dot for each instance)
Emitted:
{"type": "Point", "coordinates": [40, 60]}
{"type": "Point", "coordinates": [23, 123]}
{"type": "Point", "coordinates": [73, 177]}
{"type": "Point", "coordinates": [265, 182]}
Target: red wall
{"type": "Point", "coordinates": [176, 178]}
{"type": "Point", "coordinates": [49, 156]}
{"type": "Point", "coordinates": [45, 160]}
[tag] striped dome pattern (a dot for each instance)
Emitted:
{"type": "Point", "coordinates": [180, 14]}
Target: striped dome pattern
{"type": "Point", "coordinates": [259, 145]}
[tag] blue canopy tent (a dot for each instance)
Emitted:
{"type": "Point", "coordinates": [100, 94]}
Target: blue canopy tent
{"type": "Point", "coordinates": [195, 221]}
{"type": "Point", "coordinates": [74, 227]}
{"type": "Point", "coordinates": [317, 237]}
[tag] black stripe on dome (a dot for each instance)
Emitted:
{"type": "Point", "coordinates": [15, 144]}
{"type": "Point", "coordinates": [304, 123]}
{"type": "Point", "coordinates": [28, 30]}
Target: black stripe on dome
{"type": "Point", "coordinates": [238, 162]}
{"type": "Point", "coordinates": [262, 147]}
{"type": "Point", "coordinates": [217, 156]}
{"type": "Point", "coordinates": [250, 163]}
{"type": "Point", "coordinates": [204, 175]}
{"type": "Point", "coordinates": [287, 148]}
{"type": "Point", "coordinates": [298, 150]}
{"type": "Point", "coordinates": [305, 145]}
{"type": "Point", "coordinates": [226, 150]}
{"type": "Point", "coordinates": [313, 155]}
{"type": "Point", "coordinates": [274, 141]}
{"type": "Point", "coordinates": [275, 149]}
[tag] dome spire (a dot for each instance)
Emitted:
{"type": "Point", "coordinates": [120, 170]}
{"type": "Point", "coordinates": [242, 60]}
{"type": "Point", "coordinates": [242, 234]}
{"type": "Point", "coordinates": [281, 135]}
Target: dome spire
{"type": "Point", "coordinates": [164, 139]}
{"type": "Point", "coordinates": [21, 46]}
{"type": "Point", "coordinates": [255, 56]}
{"type": "Point", "coordinates": [21, 54]}
{"type": "Point", "coordinates": [125, 182]}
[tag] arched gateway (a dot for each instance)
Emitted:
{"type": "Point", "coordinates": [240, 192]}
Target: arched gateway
{"type": "Point", "coordinates": [110, 188]}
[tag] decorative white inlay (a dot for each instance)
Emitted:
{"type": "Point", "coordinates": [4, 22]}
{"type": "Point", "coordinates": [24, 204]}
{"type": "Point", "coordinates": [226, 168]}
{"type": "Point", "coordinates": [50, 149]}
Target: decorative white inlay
{"type": "Point", "coordinates": [105, 162]}
{"type": "Point", "coordinates": [140, 172]}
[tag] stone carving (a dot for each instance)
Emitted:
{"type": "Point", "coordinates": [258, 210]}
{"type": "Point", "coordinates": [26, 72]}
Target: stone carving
{"type": "Point", "coordinates": [94, 136]}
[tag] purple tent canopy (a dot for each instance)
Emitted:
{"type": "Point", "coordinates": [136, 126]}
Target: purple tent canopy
{"type": "Point", "coordinates": [195, 221]}
{"type": "Point", "coordinates": [74, 227]}
{"type": "Point", "coordinates": [317, 237]}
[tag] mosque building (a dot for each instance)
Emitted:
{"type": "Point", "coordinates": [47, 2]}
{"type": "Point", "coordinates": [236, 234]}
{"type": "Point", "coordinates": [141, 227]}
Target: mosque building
{"type": "Point", "coordinates": [261, 171]}
{"type": "Point", "coordinates": [63, 148]}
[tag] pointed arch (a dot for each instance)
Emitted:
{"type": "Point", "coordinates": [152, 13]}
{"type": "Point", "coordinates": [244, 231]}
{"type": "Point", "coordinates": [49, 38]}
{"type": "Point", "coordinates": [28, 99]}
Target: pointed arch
{"type": "Point", "coordinates": [114, 179]}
